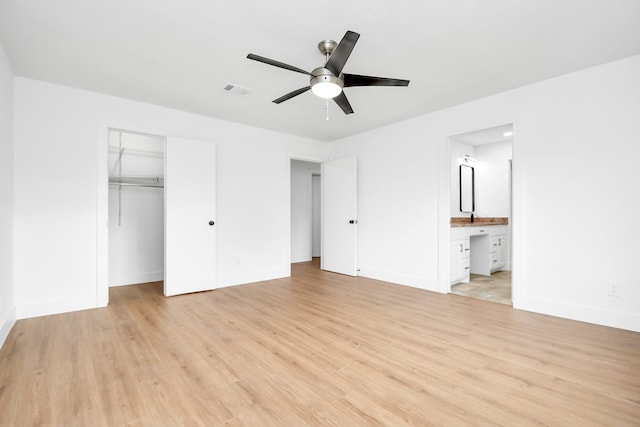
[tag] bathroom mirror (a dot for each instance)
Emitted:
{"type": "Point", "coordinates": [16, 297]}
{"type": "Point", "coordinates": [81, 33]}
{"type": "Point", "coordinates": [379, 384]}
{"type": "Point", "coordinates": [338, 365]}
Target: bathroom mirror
{"type": "Point", "coordinates": [467, 189]}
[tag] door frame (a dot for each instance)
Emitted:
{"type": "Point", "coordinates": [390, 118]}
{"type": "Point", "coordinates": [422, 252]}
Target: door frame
{"type": "Point", "coordinates": [319, 175]}
{"type": "Point", "coordinates": [102, 203]}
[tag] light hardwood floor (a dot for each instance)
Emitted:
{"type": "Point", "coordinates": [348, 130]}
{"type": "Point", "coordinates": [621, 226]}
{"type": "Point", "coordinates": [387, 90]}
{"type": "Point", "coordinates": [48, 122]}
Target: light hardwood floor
{"type": "Point", "coordinates": [315, 349]}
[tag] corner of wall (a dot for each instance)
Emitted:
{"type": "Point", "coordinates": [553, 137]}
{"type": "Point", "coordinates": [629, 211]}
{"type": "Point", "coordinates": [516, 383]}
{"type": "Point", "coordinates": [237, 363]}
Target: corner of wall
{"type": "Point", "coordinates": [6, 324]}
{"type": "Point", "coordinates": [7, 143]}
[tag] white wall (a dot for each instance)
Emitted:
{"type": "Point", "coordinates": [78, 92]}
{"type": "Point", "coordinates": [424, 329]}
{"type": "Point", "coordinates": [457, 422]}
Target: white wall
{"type": "Point", "coordinates": [397, 203]}
{"type": "Point", "coordinates": [7, 300]}
{"type": "Point", "coordinates": [492, 179]}
{"type": "Point", "coordinates": [55, 231]}
{"type": "Point", "coordinates": [136, 246]}
{"type": "Point", "coordinates": [571, 181]}
{"type": "Point", "coordinates": [301, 210]}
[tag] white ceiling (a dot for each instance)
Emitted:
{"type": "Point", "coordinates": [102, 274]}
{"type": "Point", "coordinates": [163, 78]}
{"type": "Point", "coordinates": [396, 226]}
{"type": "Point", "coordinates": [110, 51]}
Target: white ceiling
{"type": "Point", "coordinates": [181, 53]}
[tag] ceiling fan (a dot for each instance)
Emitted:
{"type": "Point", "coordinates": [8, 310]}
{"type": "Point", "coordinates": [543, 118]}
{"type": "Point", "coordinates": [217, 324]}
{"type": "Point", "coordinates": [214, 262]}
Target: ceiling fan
{"type": "Point", "coordinates": [328, 80]}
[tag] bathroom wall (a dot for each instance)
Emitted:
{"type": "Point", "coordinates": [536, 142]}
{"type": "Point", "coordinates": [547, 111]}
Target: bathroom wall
{"type": "Point", "coordinates": [493, 177]}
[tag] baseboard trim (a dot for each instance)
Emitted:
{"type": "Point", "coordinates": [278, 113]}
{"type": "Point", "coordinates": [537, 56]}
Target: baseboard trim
{"type": "Point", "coordinates": [243, 279]}
{"type": "Point", "coordinates": [8, 320]}
{"type": "Point", "coordinates": [399, 279]}
{"type": "Point", "coordinates": [56, 306]}
{"type": "Point", "coordinates": [595, 315]}
{"type": "Point", "coordinates": [136, 279]}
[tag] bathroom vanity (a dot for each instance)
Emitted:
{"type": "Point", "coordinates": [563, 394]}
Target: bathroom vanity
{"type": "Point", "coordinates": [480, 247]}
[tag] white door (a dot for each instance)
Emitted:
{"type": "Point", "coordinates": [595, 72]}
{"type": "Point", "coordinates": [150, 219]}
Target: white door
{"type": "Point", "coordinates": [339, 216]}
{"type": "Point", "coordinates": [190, 208]}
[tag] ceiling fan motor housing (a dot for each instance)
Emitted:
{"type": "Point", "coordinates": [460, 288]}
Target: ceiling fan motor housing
{"type": "Point", "coordinates": [322, 75]}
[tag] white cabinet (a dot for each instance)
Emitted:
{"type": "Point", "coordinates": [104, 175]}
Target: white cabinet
{"type": "Point", "coordinates": [459, 261]}
{"type": "Point", "coordinates": [477, 249]}
{"type": "Point", "coordinates": [498, 252]}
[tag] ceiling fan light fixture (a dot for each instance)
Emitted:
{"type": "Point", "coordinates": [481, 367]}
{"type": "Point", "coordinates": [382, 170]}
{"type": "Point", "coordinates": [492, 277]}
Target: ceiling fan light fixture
{"type": "Point", "coordinates": [324, 84]}
{"type": "Point", "coordinates": [326, 90]}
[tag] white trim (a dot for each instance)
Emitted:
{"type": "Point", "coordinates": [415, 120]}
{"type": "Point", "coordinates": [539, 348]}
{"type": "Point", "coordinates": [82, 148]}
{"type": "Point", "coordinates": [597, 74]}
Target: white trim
{"type": "Point", "coordinates": [310, 159]}
{"type": "Point", "coordinates": [595, 315]}
{"type": "Point", "coordinates": [399, 279]}
{"type": "Point", "coordinates": [444, 215]}
{"type": "Point", "coordinates": [56, 306]}
{"type": "Point", "coordinates": [6, 324]}
{"type": "Point", "coordinates": [253, 277]}
{"type": "Point", "coordinates": [134, 279]}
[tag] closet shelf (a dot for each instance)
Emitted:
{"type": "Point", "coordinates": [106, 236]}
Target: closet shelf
{"type": "Point", "coordinates": [137, 181]}
{"type": "Point", "coordinates": [135, 152]}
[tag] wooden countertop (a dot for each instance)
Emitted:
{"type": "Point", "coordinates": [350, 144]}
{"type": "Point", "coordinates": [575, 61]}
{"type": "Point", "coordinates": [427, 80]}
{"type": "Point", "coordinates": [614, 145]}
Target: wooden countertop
{"type": "Point", "coordinates": [465, 222]}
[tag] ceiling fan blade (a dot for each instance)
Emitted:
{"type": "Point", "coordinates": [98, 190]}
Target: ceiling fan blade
{"type": "Point", "coordinates": [343, 102]}
{"type": "Point", "coordinates": [291, 94]}
{"type": "Point", "coordinates": [277, 63]}
{"type": "Point", "coordinates": [341, 53]}
{"type": "Point", "coordinates": [351, 80]}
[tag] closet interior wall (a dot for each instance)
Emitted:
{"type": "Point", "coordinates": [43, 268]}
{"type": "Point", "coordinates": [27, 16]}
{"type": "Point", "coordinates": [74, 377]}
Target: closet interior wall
{"type": "Point", "coordinates": [136, 208]}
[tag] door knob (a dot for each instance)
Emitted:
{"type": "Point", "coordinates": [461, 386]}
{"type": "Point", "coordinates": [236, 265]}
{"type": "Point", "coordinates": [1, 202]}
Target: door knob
{"type": "Point", "coordinates": [353, 221]}
{"type": "Point", "coordinates": [211, 223]}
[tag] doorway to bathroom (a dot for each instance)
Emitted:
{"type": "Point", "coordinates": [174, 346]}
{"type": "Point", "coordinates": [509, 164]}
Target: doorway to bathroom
{"type": "Point", "coordinates": [481, 214]}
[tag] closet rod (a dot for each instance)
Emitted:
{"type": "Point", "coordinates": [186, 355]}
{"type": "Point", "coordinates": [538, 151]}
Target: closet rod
{"type": "Point", "coordinates": [130, 184]}
{"type": "Point", "coordinates": [135, 151]}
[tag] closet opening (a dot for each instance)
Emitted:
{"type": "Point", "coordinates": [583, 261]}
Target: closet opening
{"type": "Point", "coordinates": [136, 240]}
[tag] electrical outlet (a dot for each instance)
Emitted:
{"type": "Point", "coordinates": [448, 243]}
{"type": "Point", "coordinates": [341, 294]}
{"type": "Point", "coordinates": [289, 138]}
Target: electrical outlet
{"type": "Point", "coordinates": [613, 290]}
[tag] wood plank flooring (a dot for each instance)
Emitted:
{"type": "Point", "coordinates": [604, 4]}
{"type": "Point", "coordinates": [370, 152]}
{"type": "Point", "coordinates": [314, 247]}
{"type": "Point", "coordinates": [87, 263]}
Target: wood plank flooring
{"type": "Point", "coordinates": [315, 349]}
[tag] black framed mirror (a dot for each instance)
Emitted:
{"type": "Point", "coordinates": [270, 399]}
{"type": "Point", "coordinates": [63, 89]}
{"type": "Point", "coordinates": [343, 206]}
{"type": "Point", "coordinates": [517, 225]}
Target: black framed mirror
{"type": "Point", "coordinates": [467, 189]}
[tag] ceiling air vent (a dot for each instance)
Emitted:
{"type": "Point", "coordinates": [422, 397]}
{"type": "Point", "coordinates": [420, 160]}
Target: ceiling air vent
{"type": "Point", "coordinates": [237, 89]}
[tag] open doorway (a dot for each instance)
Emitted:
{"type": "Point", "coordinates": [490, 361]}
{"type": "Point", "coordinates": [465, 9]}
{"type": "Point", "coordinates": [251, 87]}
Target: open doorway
{"type": "Point", "coordinates": [306, 211]}
{"type": "Point", "coordinates": [136, 208]}
{"type": "Point", "coordinates": [481, 216]}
